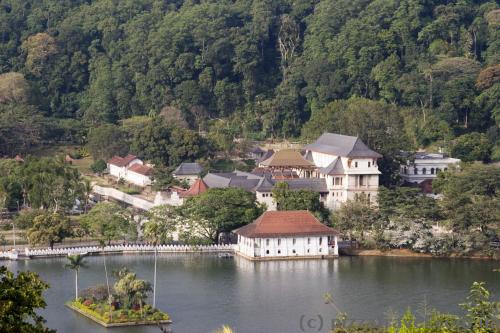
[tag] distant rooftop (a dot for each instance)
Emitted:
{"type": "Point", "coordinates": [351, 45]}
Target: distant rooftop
{"type": "Point", "coordinates": [254, 182]}
{"type": "Point", "coordinates": [187, 169]}
{"type": "Point", "coordinates": [198, 187]}
{"type": "Point", "coordinates": [311, 184]}
{"type": "Point", "coordinates": [122, 161]}
{"type": "Point", "coordinates": [287, 158]}
{"type": "Point", "coordinates": [341, 145]}
{"type": "Point", "coordinates": [245, 180]}
{"type": "Point", "coordinates": [334, 168]}
{"type": "Point", "coordinates": [141, 169]}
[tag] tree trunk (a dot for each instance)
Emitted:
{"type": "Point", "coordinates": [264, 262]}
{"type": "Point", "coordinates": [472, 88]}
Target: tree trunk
{"type": "Point", "coordinates": [154, 279]}
{"type": "Point", "coordinates": [76, 284]}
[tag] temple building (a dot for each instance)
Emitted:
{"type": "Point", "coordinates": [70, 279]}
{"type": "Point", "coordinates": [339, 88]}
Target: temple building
{"type": "Point", "coordinates": [289, 160]}
{"type": "Point", "coordinates": [286, 235]}
{"type": "Point", "coordinates": [347, 165]}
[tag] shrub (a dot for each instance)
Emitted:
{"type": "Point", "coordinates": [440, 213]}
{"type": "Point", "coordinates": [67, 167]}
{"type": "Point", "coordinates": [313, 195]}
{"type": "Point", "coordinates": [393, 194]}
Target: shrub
{"type": "Point", "coordinates": [98, 166]}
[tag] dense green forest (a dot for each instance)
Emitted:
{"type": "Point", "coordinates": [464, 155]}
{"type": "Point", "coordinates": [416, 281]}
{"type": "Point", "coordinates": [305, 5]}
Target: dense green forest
{"type": "Point", "coordinates": [402, 74]}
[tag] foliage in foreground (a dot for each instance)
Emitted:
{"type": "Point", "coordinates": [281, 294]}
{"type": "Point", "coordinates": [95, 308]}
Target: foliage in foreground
{"type": "Point", "coordinates": [20, 296]}
{"type": "Point", "coordinates": [482, 315]}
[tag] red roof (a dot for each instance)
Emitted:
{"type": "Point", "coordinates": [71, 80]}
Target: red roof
{"type": "Point", "coordinates": [198, 187]}
{"type": "Point", "coordinates": [286, 224]}
{"type": "Point", "coordinates": [141, 169]}
{"type": "Point", "coordinates": [122, 161]}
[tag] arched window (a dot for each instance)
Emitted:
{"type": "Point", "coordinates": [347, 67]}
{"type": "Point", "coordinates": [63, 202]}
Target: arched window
{"type": "Point", "coordinates": [424, 171]}
{"type": "Point", "coordinates": [415, 171]}
{"type": "Point", "coordinates": [405, 170]}
{"type": "Point", "coordinates": [438, 170]}
{"type": "Point", "coordinates": [432, 171]}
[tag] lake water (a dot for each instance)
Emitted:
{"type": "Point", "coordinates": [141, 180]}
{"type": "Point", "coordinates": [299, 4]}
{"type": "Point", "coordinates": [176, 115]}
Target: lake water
{"type": "Point", "coordinates": [202, 292]}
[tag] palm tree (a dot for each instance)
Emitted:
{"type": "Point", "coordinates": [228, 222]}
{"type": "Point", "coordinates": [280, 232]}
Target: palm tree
{"type": "Point", "coordinates": [76, 262]}
{"type": "Point", "coordinates": [159, 228]}
{"type": "Point", "coordinates": [87, 192]}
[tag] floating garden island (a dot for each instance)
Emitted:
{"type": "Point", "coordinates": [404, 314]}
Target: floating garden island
{"type": "Point", "coordinates": [123, 304]}
{"type": "Point", "coordinates": [101, 314]}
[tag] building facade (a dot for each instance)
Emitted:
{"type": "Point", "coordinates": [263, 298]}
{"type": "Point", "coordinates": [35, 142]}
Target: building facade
{"type": "Point", "coordinates": [286, 234]}
{"type": "Point", "coordinates": [425, 166]}
{"type": "Point", "coordinates": [348, 166]}
{"type": "Point", "coordinates": [131, 169]}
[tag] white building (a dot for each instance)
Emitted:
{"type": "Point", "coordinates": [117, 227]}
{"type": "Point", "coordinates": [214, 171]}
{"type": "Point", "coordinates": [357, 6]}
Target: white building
{"type": "Point", "coordinates": [286, 235]}
{"type": "Point", "coordinates": [349, 167]}
{"type": "Point", "coordinates": [425, 166]}
{"type": "Point", "coordinates": [131, 169]}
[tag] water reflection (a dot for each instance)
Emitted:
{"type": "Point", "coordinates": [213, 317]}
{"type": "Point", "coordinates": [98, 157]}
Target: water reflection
{"type": "Point", "coordinates": [202, 292]}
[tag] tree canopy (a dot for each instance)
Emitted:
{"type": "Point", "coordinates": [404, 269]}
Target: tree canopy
{"type": "Point", "coordinates": [21, 296]}
{"type": "Point", "coordinates": [219, 210]}
{"type": "Point", "coordinates": [250, 67]}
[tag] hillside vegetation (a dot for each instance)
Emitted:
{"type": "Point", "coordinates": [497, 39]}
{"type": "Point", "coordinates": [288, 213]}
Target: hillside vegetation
{"type": "Point", "coordinates": [399, 73]}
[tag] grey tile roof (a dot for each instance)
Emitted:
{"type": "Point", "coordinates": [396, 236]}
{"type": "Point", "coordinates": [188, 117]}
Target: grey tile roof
{"type": "Point", "coordinates": [334, 168]}
{"type": "Point", "coordinates": [188, 169]}
{"type": "Point", "coordinates": [252, 182]}
{"type": "Point", "coordinates": [341, 145]}
{"type": "Point", "coordinates": [245, 180]}
{"type": "Point", "coordinates": [313, 184]}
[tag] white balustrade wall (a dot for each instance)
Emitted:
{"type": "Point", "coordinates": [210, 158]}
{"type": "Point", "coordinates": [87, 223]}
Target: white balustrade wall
{"type": "Point", "coordinates": [127, 248]}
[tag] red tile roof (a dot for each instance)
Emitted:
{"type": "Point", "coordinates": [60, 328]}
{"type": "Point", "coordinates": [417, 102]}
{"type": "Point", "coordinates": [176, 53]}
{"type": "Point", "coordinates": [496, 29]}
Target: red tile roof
{"type": "Point", "coordinates": [285, 224]}
{"type": "Point", "coordinates": [141, 169]}
{"type": "Point", "coordinates": [198, 187]}
{"type": "Point", "coordinates": [122, 161]}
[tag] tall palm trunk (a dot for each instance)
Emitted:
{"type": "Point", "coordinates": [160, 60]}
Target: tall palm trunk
{"type": "Point", "coordinates": [76, 284]}
{"type": "Point", "coordinates": [107, 282]}
{"type": "Point", "coordinates": [154, 279]}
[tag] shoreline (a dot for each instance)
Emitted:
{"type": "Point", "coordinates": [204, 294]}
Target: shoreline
{"type": "Point", "coordinates": [405, 253]}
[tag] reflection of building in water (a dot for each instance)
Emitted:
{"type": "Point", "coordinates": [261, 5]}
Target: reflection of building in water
{"type": "Point", "coordinates": [286, 267]}
{"type": "Point", "coordinates": [286, 234]}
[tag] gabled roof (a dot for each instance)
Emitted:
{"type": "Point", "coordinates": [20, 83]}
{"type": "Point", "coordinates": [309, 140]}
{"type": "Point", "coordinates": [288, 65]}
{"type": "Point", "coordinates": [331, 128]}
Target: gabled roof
{"type": "Point", "coordinates": [334, 168]}
{"type": "Point", "coordinates": [187, 169]}
{"type": "Point", "coordinates": [141, 169]}
{"type": "Point", "coordinates": [266, 155]}
{"type": "Point", "coordinates": [341, 145]}
{"type": "Point", "coordinates": [257, 150]}
{"type": "Point", "coordinates": [287, 158]}
{"type": "Point", "coordinates": [198, 187]}
{"type": "Point", "coordinates": [122, 161]}
{"type": "Point", "coordinates": [285, 224]}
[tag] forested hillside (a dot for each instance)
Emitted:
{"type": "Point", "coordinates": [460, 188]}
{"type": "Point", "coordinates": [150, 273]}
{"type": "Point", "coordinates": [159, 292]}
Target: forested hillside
{"type": "Point", "coordinates": [253, 68]}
